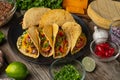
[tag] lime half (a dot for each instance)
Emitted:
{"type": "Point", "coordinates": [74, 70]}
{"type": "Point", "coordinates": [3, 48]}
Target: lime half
{"type": "Point", "coordinates": [89, 64]}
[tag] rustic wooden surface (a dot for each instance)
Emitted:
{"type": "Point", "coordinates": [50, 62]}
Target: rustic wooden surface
{"type": "Point", "coordinates": [103, 71]}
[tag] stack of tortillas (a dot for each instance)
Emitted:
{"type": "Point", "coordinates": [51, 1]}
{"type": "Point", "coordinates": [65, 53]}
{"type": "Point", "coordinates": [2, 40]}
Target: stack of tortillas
{"type": "Point", "coordinates": [103, 12]}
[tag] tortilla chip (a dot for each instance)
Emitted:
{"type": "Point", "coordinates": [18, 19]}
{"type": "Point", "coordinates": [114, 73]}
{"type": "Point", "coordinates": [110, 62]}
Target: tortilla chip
{"type": "Point", "coordinates": [55, 31]}
{"type": "Point", "coordinates": [22, 48]}
{"type": "Point", "coordinates": [73, 30]}
{"type": "Point", "coordinates": [58, 16]}
{"type": "Point", "coordinates": [33, 16]}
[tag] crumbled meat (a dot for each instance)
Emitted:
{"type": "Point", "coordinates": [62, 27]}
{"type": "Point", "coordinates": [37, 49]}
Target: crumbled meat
{"type": "Point", "coordinates": [5, 8]}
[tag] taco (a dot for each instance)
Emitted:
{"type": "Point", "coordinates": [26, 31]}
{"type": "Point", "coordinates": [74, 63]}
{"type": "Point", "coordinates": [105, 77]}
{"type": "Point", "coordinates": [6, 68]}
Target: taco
{"type": "Point", "coordinates": [80, 43]}
{"type": "Point", "coordinates": [46, 43]}
{"type": "Point", "coordinates": [28, 42]}
{"type": "Point", "coordinates": [60, 42]}
{"type": "Point", "coordinates": [33, 16]}
{"type": "Point", "coordinates": [76, 37]}
{"type": "Point", "coordinates": [58, 16]}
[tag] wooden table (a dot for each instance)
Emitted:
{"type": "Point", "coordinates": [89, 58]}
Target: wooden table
{"type": "Point", "coordinates": [103, 71]}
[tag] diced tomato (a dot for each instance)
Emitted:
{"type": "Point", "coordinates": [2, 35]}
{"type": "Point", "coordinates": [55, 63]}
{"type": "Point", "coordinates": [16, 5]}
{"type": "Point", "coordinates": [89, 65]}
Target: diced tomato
{"type": "Point", "coordinates": [42, 35]}
{"type": "Point", "coordinates": [61, 49]}
{"type": "Point", "coordinates": [60, 33]}
{"type": "Point", "coordinates": [65, 41]}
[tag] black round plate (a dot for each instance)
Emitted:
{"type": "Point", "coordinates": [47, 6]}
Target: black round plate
{"type": "Point", "coordinates": [16, 30]}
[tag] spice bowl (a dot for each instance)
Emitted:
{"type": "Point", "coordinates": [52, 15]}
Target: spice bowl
{"type": "Point", "coordinates": [7, 9]}
{"type": "Point", "coordinates": [105, 51]}
{"type": "Point", "coordinates": [67, 69]}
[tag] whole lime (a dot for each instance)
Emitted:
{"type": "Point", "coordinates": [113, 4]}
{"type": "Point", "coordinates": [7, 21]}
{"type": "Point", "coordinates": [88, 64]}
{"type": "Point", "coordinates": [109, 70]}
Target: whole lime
{"type": "Point", "coordinates": [17, 70]}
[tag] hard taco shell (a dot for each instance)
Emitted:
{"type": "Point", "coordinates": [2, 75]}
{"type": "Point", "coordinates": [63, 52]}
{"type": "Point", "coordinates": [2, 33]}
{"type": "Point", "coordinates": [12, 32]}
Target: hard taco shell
{"type": "Point", "coordinates": [55, 31]}
{"type": "Point", "coordinates": [73, 30]}
{"type": "Point", "coordinates": [47, 31]}
{"type": "Point", "coordinates": [33, 16]}
{"type": "Point", "coordinates": [33, 36]}
{"type": "Point", "coordinates": [81, 44]}
{"type": "Point", "coordinates": [58, 16]}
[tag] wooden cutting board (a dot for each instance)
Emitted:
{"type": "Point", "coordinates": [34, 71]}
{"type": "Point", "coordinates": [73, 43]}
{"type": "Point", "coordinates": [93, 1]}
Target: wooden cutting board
{"type": "Point", "coordinates": [103, 12]}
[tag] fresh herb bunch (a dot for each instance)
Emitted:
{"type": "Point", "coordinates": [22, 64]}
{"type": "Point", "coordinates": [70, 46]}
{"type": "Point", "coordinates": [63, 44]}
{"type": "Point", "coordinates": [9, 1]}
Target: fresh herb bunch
{"type": "Point", "coordinates": [26, 4]}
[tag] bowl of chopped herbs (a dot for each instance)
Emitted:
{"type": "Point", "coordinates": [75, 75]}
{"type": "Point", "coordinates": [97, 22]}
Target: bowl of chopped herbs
{"type": "Point", "coordinates": [67, 69]}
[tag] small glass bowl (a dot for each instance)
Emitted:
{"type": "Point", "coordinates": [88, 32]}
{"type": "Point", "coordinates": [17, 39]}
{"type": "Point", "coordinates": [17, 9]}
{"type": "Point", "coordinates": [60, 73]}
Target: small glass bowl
{"type": "Point", "coordinates": [60, 63]}
{"type": "Point", "coordinates": [7, 16]}
{"type": "Point", "coordinates": [7, 79]}
{"type": "Point", "coordinates": [112, 44]}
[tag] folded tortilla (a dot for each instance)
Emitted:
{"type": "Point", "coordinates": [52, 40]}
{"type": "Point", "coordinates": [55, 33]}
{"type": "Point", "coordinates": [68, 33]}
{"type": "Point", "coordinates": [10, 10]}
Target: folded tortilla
{"type": "Point", "coordinates": [61, 44]}
{"type": "Point", "coordinates": [32, 16]}
{"type": "Point", "coordinates": [28, 42]}
{"type": "Point", "coordinates": [46, 42]}
{"type": "Point", "coordinates": [75, 35]}
{"type": "Point", "coordinates": [80, 43]}
{"type": "Point", "coordinates": [58, 16]}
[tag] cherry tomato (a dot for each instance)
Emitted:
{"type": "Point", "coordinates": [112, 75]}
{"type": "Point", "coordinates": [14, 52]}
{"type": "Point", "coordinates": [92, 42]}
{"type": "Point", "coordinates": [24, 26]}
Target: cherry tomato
{"type": "Point", "coordinates": [99, 48]}
{"type": "Point", "coordinates": [104, 50]}
{"type": "Point", "coordinates": [107, 54]}
{"type": "Point", "coordinates": [100, 54]}
{"type": "Point", "coordinates": [105, 45]}
{"type": "Point", "coordinates": [111, 51]}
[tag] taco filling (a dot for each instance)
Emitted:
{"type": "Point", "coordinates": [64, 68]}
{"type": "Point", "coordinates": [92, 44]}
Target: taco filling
{"type": "Point", "coordinates": [81, 41]}
{"type": "Point", "coordinates": [61, 44]}
{"type": "Point", "coordinates": [27, 45]}
{"type": "Point", "coordinates": [45, 46]}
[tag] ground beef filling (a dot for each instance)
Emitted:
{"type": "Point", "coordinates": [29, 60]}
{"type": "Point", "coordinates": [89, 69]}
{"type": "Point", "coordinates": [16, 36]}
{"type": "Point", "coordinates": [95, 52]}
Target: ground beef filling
{"type": "Point", "coordinates": [5, 8]}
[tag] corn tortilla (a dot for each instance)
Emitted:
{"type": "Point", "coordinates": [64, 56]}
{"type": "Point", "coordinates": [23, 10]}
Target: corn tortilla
{"type": "Point", "coordinates": [33, 16]}
{"type": "Point", "coordinates": [55, 32]}
{"type": "Point", "coordinates": [47, 31]}
{"type": "Point", "coordinates": [33, 36]}
{"type": "Point", "coordinates": [58, 16]}
{"type": "Point", "coordinates": [73, 30]}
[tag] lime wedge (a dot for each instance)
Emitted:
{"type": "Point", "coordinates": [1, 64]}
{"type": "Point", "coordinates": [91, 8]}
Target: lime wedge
{"type": "Point", "coordinates": [89, 64]}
